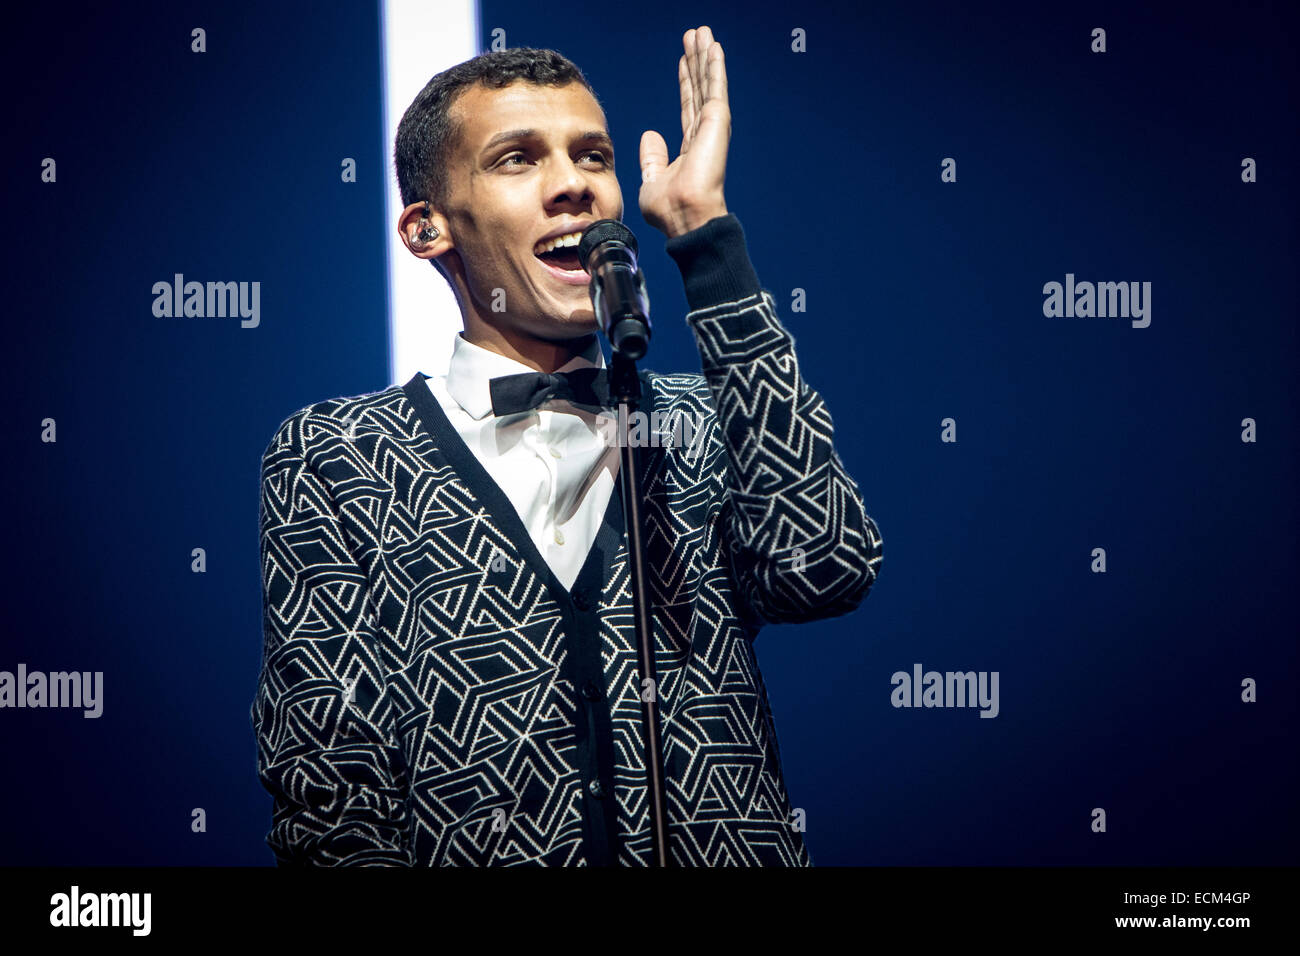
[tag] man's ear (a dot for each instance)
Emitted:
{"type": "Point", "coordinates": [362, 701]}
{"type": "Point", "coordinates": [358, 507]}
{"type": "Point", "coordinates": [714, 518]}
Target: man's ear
{"type": "Point", "coordinates": [424, 231]}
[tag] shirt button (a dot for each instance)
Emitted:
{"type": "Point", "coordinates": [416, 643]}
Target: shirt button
{"type": "Point", "coordinates": [590, 690]}
{"type": "Point", "coordinates": [596, 789]}
{"type": "Point", "coordinates": [559, 536]}
{"type": "Point", "coordinates": [556, 453]}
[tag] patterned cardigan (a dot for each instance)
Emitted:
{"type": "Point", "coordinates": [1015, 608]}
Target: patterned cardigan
{"type": "Point", "coordinates": [431, 695]}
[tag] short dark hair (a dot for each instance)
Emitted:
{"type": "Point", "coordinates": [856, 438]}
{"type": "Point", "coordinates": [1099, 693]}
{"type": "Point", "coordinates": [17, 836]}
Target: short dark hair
{"type": "Point", "coordinates": [426, 135]}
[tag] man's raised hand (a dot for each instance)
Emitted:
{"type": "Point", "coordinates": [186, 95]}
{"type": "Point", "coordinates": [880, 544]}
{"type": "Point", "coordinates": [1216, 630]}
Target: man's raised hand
{"type": "Point", "coordinates": [683, 195]}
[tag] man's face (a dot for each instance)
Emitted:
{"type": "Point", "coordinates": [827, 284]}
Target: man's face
{"type": "Point", "coordinates": [555, 171]}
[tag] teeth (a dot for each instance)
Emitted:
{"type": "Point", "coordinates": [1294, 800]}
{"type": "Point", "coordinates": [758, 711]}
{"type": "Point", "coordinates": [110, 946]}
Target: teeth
{"type": "Point", "coordinates": [572, 239]}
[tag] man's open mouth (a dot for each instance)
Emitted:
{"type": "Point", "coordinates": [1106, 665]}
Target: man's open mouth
{"type": "Point", "coordinates": [560, 254]}
{"type": "Point", "coordinates": [562, 257]}
{"type": "Point", "coordinates": [562, 265]}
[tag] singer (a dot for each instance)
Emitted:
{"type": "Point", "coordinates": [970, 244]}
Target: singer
{"type": "Point", "coordinates": [449, 671]}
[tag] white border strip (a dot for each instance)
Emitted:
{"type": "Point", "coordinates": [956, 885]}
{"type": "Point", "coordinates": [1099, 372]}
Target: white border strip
{"type": "Point", "coordinates": [421, 38]}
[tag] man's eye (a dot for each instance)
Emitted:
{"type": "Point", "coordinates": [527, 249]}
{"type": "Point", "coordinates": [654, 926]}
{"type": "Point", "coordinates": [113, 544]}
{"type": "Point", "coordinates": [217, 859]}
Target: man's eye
{"type": "Point", "coordinates": [599, 154]}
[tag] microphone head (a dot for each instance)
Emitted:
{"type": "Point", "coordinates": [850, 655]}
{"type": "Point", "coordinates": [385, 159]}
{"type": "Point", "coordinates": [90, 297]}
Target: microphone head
{"type": "Point", "coordinates": [604, 230]}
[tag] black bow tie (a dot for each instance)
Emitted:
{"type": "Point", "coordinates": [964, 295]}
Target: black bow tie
{"type": "Point", "coordinates": [519, 393]}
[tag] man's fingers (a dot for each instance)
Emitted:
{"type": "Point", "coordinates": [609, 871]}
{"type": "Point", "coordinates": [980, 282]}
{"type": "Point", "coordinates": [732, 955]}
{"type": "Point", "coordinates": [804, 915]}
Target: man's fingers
{"type": "Point", "coordinates": [688, 101]}
{"type": "Point", "coordinates": [701, 76]}
{"type": "Point", "coordinates": [703, 41]}
{"type": "Point", "coordinates": [718, 75]}
{"type": "Point", "coordinates": [696, 64]}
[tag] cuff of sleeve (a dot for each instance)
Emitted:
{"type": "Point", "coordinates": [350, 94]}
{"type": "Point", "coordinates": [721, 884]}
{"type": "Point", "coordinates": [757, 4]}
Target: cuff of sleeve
{"type": "Point", "coordinates": [714, 262]}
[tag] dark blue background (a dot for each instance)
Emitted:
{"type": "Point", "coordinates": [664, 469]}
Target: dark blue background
{"type": "Point", "coordinates": [1119, 690]}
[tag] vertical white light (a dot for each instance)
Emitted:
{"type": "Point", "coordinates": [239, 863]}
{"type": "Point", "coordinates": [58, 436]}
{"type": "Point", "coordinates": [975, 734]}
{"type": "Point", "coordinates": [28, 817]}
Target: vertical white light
{"type": "Point", "coordinates": [421, 38]}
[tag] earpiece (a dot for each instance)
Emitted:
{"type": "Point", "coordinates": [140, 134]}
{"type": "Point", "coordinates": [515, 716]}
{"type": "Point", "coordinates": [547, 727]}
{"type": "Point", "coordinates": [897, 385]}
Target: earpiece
{"type": "Point", "coordinates": [427, 232]}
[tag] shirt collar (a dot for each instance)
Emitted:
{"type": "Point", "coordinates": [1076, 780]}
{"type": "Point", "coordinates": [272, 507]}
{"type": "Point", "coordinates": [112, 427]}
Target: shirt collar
{"type": "Point", "coordinates": [472, 366]}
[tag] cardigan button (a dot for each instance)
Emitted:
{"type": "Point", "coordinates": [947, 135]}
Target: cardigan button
{"type": "Point", "coordinates": [580, 601]}
{"type": "Point", "coordinates": [596, 789]}
{"type": "Point", "coordinates": [590, 690]}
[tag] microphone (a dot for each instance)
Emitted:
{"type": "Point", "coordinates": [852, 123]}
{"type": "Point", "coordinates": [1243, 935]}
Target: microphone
{"type": "Point", "coordinates": [608, 253]}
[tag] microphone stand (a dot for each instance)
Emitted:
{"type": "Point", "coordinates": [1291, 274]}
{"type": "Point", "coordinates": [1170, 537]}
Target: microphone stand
{"type": "Point", "coordinates": [608, 252]}
{"type": "Point", "coordinates": [625, 389]}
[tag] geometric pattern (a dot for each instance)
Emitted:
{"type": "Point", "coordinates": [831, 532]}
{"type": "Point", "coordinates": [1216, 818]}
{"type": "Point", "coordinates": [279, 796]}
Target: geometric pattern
{"type": "Point", "coordinates": [430, 693]}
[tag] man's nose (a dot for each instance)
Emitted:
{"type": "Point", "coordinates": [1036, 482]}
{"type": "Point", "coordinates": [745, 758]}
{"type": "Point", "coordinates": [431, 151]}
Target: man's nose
{"type": "Point", "coordinates": [567, 181]}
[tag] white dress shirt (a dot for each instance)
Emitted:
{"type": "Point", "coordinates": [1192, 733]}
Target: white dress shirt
{"type": "Point", "coordinates": [553, 462]}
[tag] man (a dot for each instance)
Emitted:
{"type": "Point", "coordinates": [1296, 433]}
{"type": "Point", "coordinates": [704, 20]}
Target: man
{"type": "Point", "coordinates": [449, 674]}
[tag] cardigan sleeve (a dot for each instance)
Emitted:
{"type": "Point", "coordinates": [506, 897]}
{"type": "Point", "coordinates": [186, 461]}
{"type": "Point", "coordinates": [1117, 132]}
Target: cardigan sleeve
{"type": "Point", "coordinates": [326, 749]}
{"type": "Point", "coordinates": [802, 546]}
